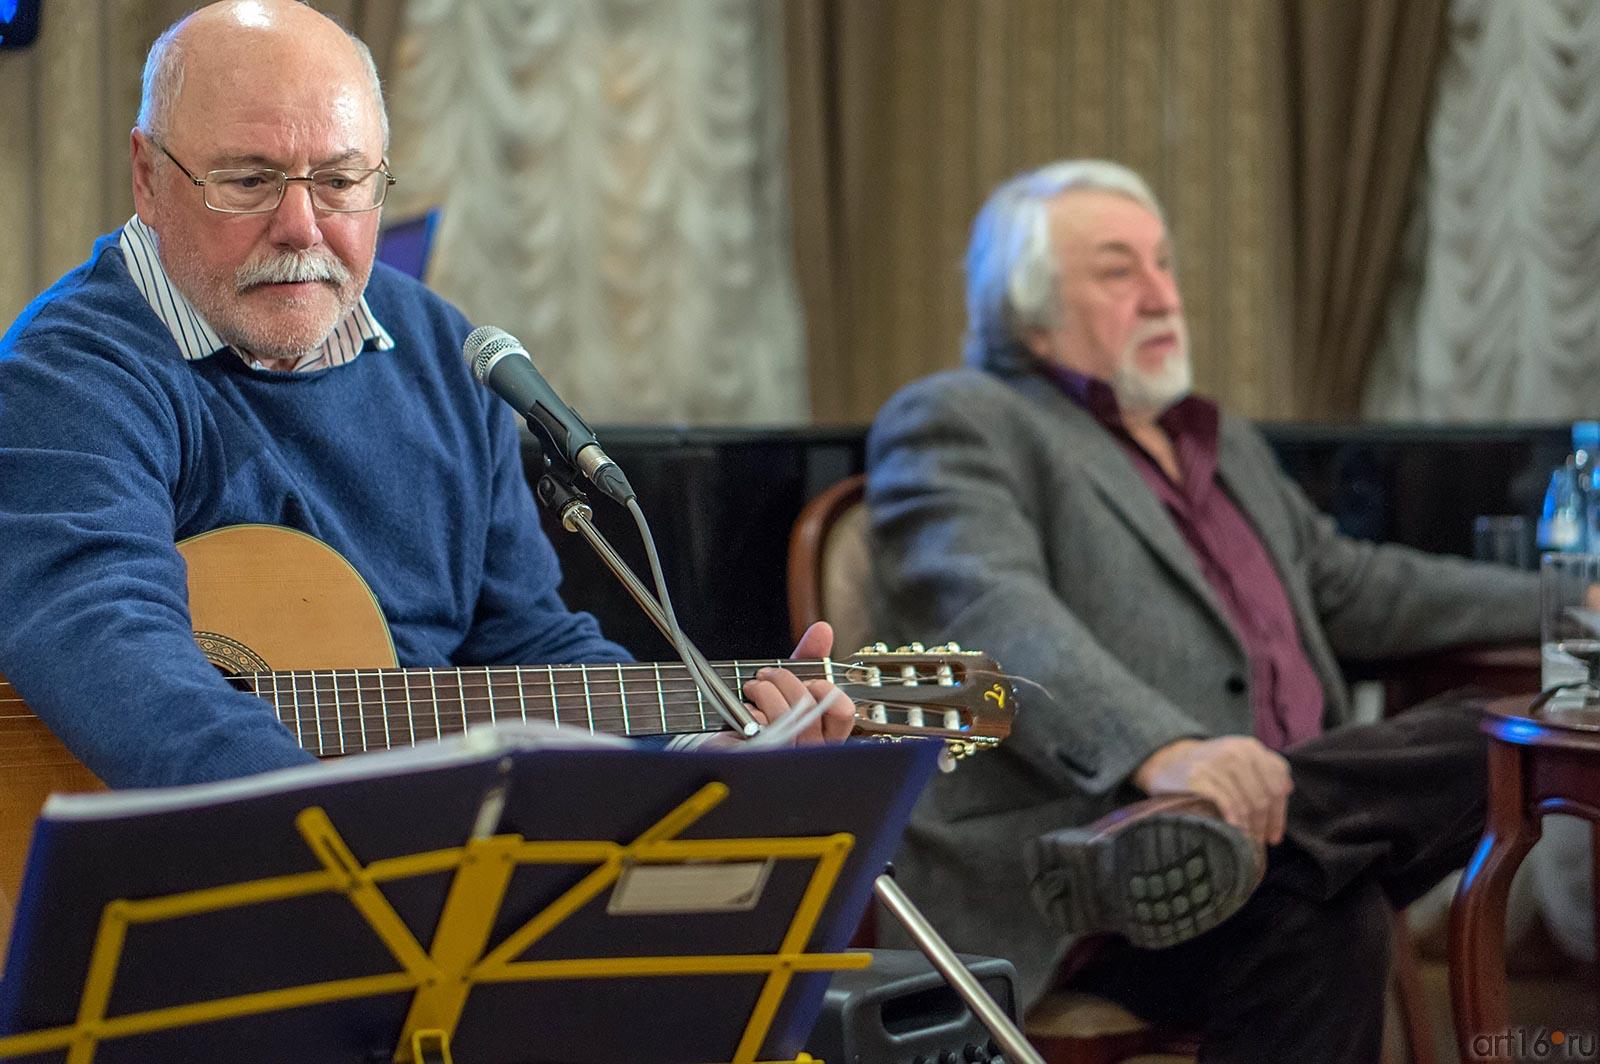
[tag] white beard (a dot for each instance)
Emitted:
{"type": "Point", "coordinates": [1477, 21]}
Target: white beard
{"type": "Point", "coordinates": [1142, 392]}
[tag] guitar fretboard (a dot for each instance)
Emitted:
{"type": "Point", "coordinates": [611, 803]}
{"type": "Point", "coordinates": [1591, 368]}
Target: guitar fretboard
{"type": "Point", "coordinates": [348, 711]}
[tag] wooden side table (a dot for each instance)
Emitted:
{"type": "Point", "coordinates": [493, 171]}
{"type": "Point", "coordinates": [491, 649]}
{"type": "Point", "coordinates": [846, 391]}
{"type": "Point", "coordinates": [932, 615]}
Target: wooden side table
{"type": "Point", "coordinates": [1537, 765]}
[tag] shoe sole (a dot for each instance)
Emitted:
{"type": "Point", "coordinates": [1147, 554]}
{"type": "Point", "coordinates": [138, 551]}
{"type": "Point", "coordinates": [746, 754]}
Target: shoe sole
{"type": "Point", "coordinates": [1158, 882]}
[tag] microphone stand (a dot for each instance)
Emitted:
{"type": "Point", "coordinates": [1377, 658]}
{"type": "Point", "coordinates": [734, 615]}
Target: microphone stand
{"type": "Point", "coordinates": [947, 964]}
{"type": "Point", "coordinates": [562, 498]}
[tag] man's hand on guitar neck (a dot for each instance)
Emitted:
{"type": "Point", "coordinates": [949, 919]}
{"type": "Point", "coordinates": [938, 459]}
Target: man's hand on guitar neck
{"type": "Point", "coordinates": [775, 693]}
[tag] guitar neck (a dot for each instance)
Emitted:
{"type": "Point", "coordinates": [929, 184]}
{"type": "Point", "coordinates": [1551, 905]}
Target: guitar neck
{"type": "Point", "coordinates": [348, 711]}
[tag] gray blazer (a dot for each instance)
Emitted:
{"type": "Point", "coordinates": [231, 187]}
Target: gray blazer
{"type": "Point", "coordinates": [1006, 518]}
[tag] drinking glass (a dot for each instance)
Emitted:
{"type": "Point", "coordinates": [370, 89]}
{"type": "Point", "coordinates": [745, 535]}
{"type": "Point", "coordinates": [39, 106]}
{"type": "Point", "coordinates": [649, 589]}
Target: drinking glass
{"type": "Point", "coordinates": [1569, 627]}
{"type": "Point", "coordinates": [1506, 539]}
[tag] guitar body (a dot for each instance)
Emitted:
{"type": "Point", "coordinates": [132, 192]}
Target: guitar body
{"type": "Point", "coordinates": [283, 597]}
{"type": "Point", "coordinates": [261, 598]}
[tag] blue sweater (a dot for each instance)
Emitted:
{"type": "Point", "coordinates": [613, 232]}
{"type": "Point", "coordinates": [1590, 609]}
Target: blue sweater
{"type": "Point", "coordinates": [112, 447]}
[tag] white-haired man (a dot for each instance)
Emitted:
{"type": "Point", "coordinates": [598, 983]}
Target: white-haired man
{"type": "Point", "coordinates": [232, 356]}
{"type": "Point", "coordinates": [1178, 605]}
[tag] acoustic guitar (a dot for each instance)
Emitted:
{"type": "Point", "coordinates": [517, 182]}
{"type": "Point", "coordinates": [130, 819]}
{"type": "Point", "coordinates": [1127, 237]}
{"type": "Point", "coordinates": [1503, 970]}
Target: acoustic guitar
{"type": "Point", "coordinates": [287, 618]}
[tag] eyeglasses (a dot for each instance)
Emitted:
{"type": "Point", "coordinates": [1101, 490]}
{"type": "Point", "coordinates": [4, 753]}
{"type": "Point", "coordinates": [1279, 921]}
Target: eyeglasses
{"type": "Point", "coordinates": [260, 189]}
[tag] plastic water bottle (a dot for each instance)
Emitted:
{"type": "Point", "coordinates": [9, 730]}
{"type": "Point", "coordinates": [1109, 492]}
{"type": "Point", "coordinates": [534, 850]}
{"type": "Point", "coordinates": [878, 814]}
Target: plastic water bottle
{"type": "Point", "coordinates": [1568, 523]}
{"type": "Point", "coordinates": [1586, 448]}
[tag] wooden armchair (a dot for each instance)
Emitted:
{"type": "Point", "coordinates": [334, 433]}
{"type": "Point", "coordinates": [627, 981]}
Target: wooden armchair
{"type": "Point", "coordinates": [829, 566]}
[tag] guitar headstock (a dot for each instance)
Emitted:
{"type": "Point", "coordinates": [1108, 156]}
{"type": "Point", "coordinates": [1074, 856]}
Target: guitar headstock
{"type": "Point", "coordinates": [941, 692]}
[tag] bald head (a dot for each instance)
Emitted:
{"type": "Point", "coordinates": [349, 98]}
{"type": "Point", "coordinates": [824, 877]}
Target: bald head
{"type": "Point", "coordinates": [268, 90]}
{"type": "Point", "coordinates": [224, 46]}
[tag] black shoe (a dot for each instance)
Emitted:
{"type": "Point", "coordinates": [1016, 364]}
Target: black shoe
{"type": "Point", "coordinates": [1158, 872]}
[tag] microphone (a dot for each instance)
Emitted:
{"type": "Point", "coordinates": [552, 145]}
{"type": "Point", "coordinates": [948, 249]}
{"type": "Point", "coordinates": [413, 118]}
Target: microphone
{"type": "Point", "coordinates": [503, 365]}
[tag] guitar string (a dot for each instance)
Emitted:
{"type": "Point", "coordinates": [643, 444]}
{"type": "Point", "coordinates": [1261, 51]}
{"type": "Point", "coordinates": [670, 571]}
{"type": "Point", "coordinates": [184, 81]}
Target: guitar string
{"type": "Point", "coordinates": [681, 704]}
{"type": "Point", "coordinates": [287, 691]}
{"type": "Point", "coordinates": [349, 701]}
{"type": "Point", "coordinates": [352, 703]}
{"type": "Point", "coordinates": [582, 669]}
{"type": "Point", "coordinates": [809, 670]}
{"type": "Point", "coordinates": [354, 735]}
{"type": "Point", "coordinates": [338, 682]}
{"type": "Point", "coordinates": [662, 701]}
{"type": "Point", "coordinates": [620, 721]}
{"type": "Point", "coordinates": [358, 741]}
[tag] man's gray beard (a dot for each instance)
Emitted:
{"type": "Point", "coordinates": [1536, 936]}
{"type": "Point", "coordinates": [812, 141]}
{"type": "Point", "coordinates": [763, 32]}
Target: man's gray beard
{"type": "Point", "coordinates": [269, 348]}
{"type": "Point", "coordinates": [286, 266]}
{"type": "Point", "coordinates": [1150, 394]}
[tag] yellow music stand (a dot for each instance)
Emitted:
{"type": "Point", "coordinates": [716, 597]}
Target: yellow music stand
{"type": "Point", "coordinates": [465, 957]}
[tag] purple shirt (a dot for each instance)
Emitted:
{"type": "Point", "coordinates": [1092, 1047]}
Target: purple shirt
{"type": "Point", "coordinates": [1285, 694]}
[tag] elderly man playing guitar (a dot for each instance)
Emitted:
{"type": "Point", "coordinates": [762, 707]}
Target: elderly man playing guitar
{"type": "Point", "coordinates": [233, 357]}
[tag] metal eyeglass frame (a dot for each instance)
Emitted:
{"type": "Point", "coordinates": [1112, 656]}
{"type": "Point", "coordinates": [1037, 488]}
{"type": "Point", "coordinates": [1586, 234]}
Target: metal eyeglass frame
{"type": "Point", "coordinates": [283, 184]}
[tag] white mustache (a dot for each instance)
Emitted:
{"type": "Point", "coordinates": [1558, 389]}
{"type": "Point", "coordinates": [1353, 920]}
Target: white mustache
{"type": "Point", "coordinates": [291, 267]}
{"type": "Point", "coordinates": [1149, 330]}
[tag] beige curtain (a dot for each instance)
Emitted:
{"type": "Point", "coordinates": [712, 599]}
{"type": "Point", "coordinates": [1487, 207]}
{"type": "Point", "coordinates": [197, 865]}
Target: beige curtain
{"type": "Point", "coordinates": [903, 114]}
{"type": "Point", "coordinates": [1362, 77]}
{"type": "Point", "coordinates": [69, 102]}
{"type": "Point", "coordinates": [1493, 313]}
{"type": "Point", "coordinates": [614, 192]}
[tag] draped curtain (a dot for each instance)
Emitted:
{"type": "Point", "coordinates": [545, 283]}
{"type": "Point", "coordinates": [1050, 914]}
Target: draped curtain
{"type": "Point", "coordinates": [1496, 313]}
{"type": "Point", "coordinates": [69, 102]}
{"type": "Point", "coordinates": [613, 192]}
{"type": "Point", "coordinates": [1360, 79]}
{"type": "Point", "coordinates": [904, 114]}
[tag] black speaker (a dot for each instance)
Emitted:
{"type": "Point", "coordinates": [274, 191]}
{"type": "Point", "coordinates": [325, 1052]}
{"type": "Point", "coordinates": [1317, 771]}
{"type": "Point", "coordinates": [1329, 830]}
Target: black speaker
{"type": "Point", "coordinates": [901, 1011]}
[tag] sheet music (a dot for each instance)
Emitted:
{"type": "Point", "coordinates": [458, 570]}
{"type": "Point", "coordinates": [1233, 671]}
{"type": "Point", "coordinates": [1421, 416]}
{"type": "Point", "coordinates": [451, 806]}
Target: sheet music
{"type": "Point", "coordinates": [472, 745]}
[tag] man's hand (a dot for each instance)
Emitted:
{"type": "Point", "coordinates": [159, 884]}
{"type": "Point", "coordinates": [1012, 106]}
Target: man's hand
{"type": "Point", "coordinates": [775, 693]}
{"type": "Point", "coordinates": [1248, 783]}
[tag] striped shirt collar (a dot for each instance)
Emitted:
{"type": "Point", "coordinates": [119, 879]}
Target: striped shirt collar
{"type": "Point", "coordinates": [196, 338]}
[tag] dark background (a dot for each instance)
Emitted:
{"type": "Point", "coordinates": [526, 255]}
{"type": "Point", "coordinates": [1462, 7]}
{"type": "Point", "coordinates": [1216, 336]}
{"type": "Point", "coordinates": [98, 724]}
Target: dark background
{"type": "Point", "coordinates": [721, 503]}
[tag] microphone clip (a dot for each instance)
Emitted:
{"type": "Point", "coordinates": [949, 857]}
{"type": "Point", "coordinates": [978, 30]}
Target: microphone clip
{"type": "Point", "coordinates": [558, 492]}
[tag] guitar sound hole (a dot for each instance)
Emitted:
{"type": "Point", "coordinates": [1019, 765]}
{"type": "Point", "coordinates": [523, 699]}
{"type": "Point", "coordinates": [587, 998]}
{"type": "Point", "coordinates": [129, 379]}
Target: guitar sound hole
{"type": "Point", "coordinates": [231, 657]}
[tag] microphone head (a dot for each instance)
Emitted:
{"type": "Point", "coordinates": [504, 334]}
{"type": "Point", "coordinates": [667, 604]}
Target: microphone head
{"type": "Point", "coordinates": [487, 345]}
